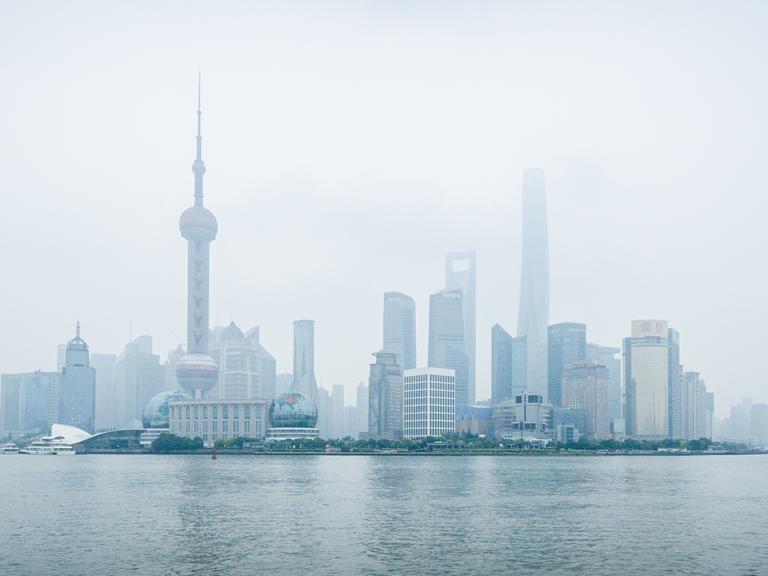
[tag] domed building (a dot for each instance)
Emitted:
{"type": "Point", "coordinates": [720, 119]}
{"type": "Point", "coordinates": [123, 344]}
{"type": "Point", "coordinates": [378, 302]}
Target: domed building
{"type": "Point", "coordinates": [292, 416]}
{"type": "Point", "coordinates": [156, 412]}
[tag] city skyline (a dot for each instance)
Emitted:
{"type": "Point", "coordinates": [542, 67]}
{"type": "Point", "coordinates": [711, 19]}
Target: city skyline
{"type": "Point", "coordinates": [264, 190]}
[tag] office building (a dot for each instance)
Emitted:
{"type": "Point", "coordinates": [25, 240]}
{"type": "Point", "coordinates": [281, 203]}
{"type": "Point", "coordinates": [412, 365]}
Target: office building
{"type": "Point", "coordinates": [28, 402]}
{"type": "Point", "coordinates": [337, 411]}
{"type": "Point", "coordinates": [103, 365]}
{"type": "Point", "coordinates": [646, 379]}
{"type": "Point", "coordinates": [77, 387]}
{"type": "Point", "coordinates": [461, 274]}
{"type": "Point", "coordinates": [385, 398]}
{"type": "Point", "coordinates": [400, 328]}
{"type": "Point", "coordinates": [429, 402]}
{"type": "Point", "coordinates": [606, 356]}
{"type": "Point", "coordinates": [508, 364]}
{"type": "Point", "coordinates": [533, 315]}
{"type": "Point", "coordinates": [304, 358]}
{"type": "Point", "coordinates": [586, 386]}
{"type": "Point", "coordinates": [137, 376]}
{"type": "Point", "coordinates": [246, 369]}
{"type": "Point", "coordinates": [446, 339]}
{"type": "Point", "coordinates": [674, 387]}
{"type": "Point", "coordinates": [526, 417]}
{"type": "Point", "coordinates": [567, 343]}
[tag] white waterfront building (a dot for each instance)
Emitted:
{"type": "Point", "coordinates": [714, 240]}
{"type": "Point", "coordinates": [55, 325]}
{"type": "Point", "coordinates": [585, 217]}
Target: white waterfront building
{"type": "Point", "coordinates": [429, 402]}
{"type": "Point", "coordinates": [213, 419]}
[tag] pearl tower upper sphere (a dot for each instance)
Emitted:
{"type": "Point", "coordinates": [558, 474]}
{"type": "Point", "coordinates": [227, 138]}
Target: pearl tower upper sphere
{"type": "Point", "coordinates": [198, 223]}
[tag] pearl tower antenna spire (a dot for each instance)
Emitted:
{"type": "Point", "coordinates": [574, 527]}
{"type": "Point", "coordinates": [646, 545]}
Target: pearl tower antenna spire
{"type": "Point", "coordinates": [197, 372]}
{"type": "Point", "coordinates": [199, 167]}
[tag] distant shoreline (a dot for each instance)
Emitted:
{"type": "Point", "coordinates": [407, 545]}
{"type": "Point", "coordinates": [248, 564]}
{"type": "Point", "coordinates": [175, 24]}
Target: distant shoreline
{"type": "Point", "coordinates": [434, 453]}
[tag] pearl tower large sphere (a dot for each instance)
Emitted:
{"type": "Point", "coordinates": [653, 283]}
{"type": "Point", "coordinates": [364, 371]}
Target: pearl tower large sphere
{"type": "Point", "coordinates": [198, 223]}
{"type": "Point", "coordinates": [197, 372]}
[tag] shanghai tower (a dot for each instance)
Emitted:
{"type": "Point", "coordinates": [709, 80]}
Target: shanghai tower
{"type": "Point", "coordinates": [533, 315]}
{"type": "Point", "coordinates": [197, 372]}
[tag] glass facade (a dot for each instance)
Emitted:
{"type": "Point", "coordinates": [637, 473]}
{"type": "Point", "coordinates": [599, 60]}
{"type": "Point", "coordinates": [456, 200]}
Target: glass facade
{"type": "Point", "coordinates": [292, 410]}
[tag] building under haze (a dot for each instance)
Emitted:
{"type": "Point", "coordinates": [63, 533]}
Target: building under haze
{"type": "Point", "coordinates": [28, 402]}
{"type": "Point", "coordinates": [137, 375]}
{"type": "Point", "coordinates": [646, 379]}
{"type": "Point", "coordinates": [385, 398]}
{"type": "Point", "coordinates": [567, 343]}
{"type": "Point", "coordinates": [674, 385]}
{"type": "Point", "coordinates": [586, 386]}
{"type": "Point", "coordinates": [77, 387]}
{"type": "Point", "coordinates": [246, 369]}
{"type": "Point", "coordinates": [429, 406]}
{"type": "Point", "coordinates": [607, 356]}
{"type": "Point", "coordinates": [400, 328]}
{"type": "Point", "coordinates": [533, 315]}
{"type": "Point", "coordinates": [461, 274]}
{"type": "Point", "coordinates": [103, 365]}
{"type": "Point", "coordinates": [304, 358]}
{"type": "Point", "coordinates": [196, 372]}
{"type": "Point", "coordinates": [446, 339]}
{"type": "Point", "coordinates": [508, 364]}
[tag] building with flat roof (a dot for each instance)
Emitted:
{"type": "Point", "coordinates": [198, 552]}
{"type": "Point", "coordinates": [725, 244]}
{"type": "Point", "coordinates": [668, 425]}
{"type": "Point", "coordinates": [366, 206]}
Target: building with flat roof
{"type": "Point", "coordinates": [429, 402]}
{"type": "Point", "coordinates": [212, 419]}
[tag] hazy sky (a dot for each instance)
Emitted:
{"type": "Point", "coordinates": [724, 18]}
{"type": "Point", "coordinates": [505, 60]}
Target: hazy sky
{"type": "Point", "coordinates": [350, 145]}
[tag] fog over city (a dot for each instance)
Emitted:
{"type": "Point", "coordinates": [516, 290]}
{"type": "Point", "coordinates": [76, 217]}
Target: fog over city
{"type": "Point", "coordinates": [350, 146]}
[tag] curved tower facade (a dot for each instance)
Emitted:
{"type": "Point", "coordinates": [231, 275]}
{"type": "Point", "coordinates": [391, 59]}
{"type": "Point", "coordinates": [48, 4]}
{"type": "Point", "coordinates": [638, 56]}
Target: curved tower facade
{"type": "Point", "coordinates": [533, 316]}
{"type": "Point", "coordinates": [196, 372]}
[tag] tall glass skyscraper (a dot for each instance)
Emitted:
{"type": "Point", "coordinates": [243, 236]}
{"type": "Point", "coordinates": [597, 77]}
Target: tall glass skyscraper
{"type": "Point", "coordinates": [446, 339]}
{"type": "Point", "coordinates": [533, 316]}
{"type": "Point", "coordinates": [77, 387]}
{"type": "Point", "coordinates": [385, 397]}
{"type": "Point", "coordinates": [508, 364]}
{"type": "Point", "coordinates": [567, 344]}
{"type": "Point", "coordinates": [606, 356]}
{"type": "Point", "coordinates": [675, 388]}
{"type": "Point", "coordinates": [304, 358]}
{"type": "Point", "coordinates": [646, 379]}
{"type": "Point", "coordinates": [400, 328]}
{"type": "Point", "coordinates": [460, 274]}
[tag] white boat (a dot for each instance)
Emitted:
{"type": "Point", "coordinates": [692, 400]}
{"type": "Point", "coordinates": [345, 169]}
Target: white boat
{"type": "Point", "coordinates": [48, 446]}
{"type": "Point", "coordinates": [10, 448]}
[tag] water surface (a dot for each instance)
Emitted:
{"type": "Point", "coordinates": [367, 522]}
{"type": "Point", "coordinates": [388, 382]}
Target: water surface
{"type": "Point", "coordinates": [188, 515]}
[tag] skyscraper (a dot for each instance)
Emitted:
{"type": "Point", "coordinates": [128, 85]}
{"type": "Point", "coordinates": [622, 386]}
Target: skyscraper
{"type": "Point", "coordinates": [400, 328]}
{"type": "Point", "coordinates": [77, 387]}
{"type": "Point", "coordinates": [508, 364]}
{"type": "Point", "coordinates": [137, 375]}
{"type": "Point", "coordinates": [196, 372]}
{"type": "Point", "coordinates": [28, 402]}
{"type": "Point", "coordinates": [674, 387]}
{"type": "Point", "coordinates": [566, 344]}
{"type": "Point", "coordinates": [385, 397]}
{"type": "Point", "coordinates": [586, 386]}
{"type": "Point", "coordinates": [646, 379]}
{"type": "Point", "coordinates": [446, 339]}
{"type": "Point", "coordinates": [606, 356]}
{"type": "Point", "coordinates": [246, 369]}
{"type": "Point", "coordinates": [533, 316]}
{"type": "Point", "coordinates": [460, 273]}
{"type": "Point", "coordinates": [337, 411]}
{"type": "Point", "coordinates": [304, 359]}
{"type": "Point", "coordinates": [103, 364]}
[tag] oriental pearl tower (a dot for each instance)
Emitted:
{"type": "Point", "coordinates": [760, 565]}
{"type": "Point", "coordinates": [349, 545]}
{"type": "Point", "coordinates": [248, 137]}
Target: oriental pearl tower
{"type": "Point", "coordinates": [196, 371]}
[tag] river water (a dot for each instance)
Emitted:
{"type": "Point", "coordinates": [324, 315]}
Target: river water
{"type": "Point", "coordinates": [188, 515]}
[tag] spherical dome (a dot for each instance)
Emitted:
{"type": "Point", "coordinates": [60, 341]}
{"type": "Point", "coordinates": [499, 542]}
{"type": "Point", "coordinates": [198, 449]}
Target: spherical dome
{"type": "Point", "coordinates": [197, 372]}
{"type": "Point", "coordinates": [292, 410]}
{"type": "Point", "coordinates": [155, 413]}
{"type": "Point", "coordinates": [199, 223]}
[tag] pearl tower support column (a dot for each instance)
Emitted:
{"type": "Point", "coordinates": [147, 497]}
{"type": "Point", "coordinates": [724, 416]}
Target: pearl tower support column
{"type": "Point", "coordinates": [197, 372]}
